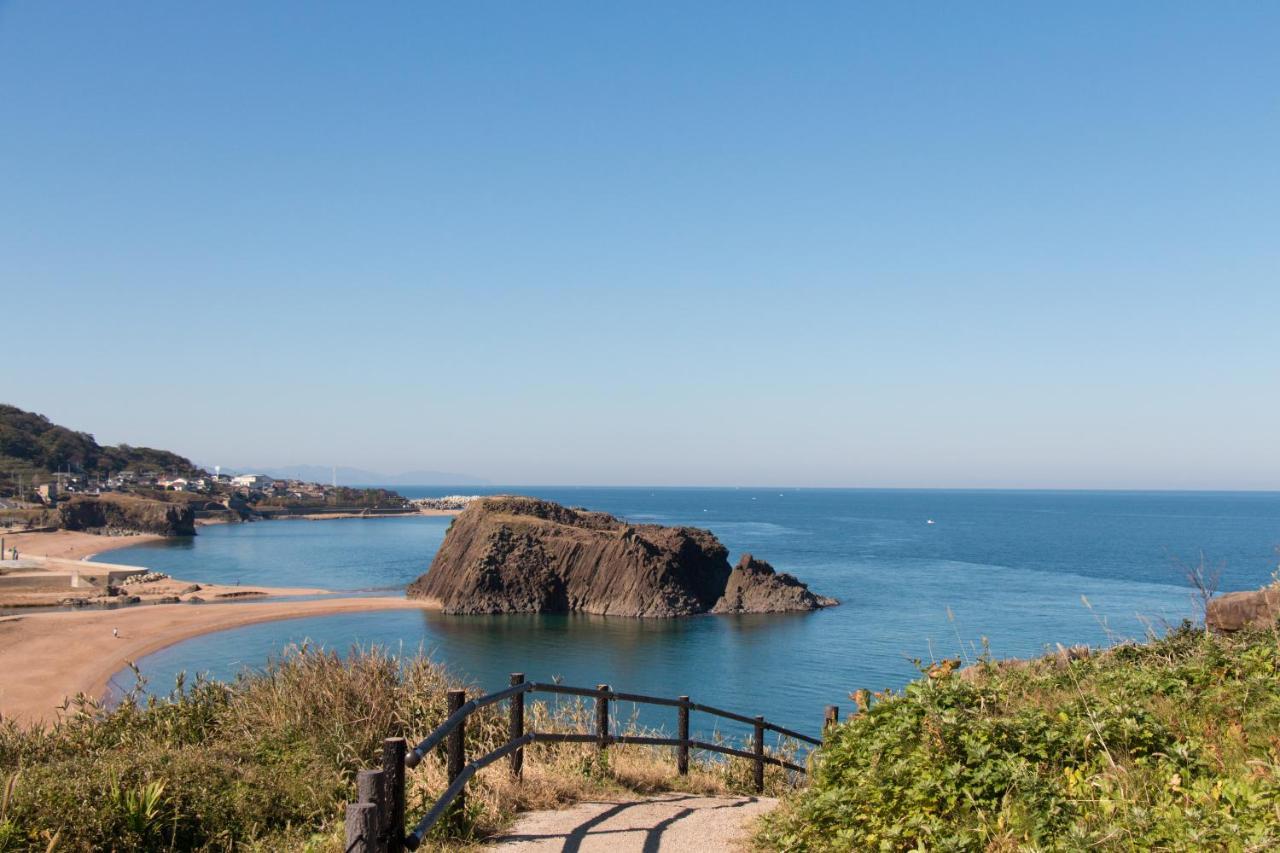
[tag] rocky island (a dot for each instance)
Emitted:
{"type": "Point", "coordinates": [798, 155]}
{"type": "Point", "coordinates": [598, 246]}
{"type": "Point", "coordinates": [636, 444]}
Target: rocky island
{"type": "Point", "coordinates": [512, 554]}
{"type": "Point", "coordinates": [754, 587]}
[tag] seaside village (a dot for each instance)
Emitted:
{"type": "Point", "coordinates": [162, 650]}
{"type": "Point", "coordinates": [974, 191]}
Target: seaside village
{"type": "Point", "coordinates": [247, 487]}
{"type": "Point", "coordinates": [52, 522]}
{"type": "Point", "coordinates": [229, 490]}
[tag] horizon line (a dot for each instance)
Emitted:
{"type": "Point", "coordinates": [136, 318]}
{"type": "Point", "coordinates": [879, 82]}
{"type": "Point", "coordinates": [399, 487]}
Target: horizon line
{"type": "Point", "coordinates": [1116, 490]}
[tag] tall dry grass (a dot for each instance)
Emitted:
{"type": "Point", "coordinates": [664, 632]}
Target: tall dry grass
{"type": "Point", "coordinates": [268, 761]}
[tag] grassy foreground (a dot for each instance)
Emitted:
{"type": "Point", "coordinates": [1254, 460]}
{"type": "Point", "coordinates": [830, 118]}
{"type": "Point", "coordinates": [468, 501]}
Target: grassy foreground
{"type": "Point", "coordinates": [1170, 745]}
{"type": "Point", "coordinates": [268, 762]}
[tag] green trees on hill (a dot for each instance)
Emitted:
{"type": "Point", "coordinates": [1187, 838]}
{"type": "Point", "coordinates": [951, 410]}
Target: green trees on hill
{"type": "Point", "coordinates": [31, 443]}
{"type": "Point", "coordinates": [345, 496]}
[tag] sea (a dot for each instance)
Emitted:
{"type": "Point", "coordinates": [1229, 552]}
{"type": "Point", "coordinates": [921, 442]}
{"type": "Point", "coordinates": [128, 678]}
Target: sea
{"type": "Point", "coordinates": [922, 575]}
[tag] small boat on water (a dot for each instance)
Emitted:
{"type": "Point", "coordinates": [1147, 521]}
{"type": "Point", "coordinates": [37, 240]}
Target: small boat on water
{"type": "Point", "coordinates": [931, 521]}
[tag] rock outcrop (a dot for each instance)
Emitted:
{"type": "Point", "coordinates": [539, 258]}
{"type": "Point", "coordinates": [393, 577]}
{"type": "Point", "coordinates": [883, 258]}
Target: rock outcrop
{"type": "Point", "coordinates": [1236, 610]}
{"type": "Point", "coordinates": [127, 514]}
{"type": "Point", "coordinates": [754, 587]}
{"type": "Point", "coordinates": [509, 554]}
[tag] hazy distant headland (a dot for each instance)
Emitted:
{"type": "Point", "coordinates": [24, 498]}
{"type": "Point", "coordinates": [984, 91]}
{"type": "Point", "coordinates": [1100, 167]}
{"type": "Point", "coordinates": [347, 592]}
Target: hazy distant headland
{"type": "Point", "coordinates": [346, 476]}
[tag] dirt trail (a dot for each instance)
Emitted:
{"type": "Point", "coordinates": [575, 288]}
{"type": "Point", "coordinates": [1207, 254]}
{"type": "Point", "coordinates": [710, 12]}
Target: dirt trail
{"type": "Point", "coordinates": [668, 823]}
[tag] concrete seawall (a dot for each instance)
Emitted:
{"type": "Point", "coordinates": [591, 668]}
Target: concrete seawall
{"type": "Point", "coordinates": [43, 574]}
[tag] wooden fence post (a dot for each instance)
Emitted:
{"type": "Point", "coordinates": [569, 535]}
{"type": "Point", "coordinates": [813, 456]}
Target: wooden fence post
{"type": "Point", "coordinates": [759, 750]}
{"type": "Point", "coordinates": [602, 718]}
{"type": "Point", "coordinates": [830, 718]}
{"type": "Point", "coordinates": [393, 752]}
{"type": "Point", "coordinates": [682, 732]}
{"type": "Point", "coordinates": [516, 729]}
{"type": "Point", "coordinates": [456, 749]}
{"type": "Point", "coordinates": [370, 788]}
{"type": "Point", "coordinates": [362, 828]}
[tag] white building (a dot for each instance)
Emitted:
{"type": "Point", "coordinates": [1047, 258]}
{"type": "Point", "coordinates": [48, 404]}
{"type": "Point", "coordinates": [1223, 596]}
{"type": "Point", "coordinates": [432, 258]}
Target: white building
{"type": "Point", "coordinates": [257, 482]}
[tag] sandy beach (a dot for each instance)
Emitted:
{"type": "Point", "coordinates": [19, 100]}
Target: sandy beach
{"type": "Point", "coordinates": [71, 544]}
{"type": "Point", "coordinates": [47, 657]}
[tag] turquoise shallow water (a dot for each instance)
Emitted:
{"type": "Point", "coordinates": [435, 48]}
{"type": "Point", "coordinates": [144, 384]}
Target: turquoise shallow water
{"type": "Point", "coordinates": [1006, 568]}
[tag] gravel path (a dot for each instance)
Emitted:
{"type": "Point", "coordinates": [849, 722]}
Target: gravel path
{"type": "Point", "coordinates": [669, 823]}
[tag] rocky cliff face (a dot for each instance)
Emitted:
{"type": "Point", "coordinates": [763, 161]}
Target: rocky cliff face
{"type": "Point", "coordinates": [1236, 610]}
{"type": "Point", "coordinates": [121, 513]}
{"type": "Point", "coordinates": [754, 587]}
{"type": "Point", "coordinates": [511, 554]}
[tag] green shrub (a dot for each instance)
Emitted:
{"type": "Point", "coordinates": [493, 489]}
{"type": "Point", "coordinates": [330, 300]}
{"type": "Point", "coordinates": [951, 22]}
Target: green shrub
{"type": "Point", "coordinates": [1172, 745]}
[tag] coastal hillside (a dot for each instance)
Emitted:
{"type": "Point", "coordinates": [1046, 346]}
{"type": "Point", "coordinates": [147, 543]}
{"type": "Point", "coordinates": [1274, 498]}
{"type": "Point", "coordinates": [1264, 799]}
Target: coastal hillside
{"type": "Point", "coordinates": [43, 464]}
{"type": "Point", "coordinates": [512, 554]}
{"type": "Point", "coordinates": [31, 444]}
{"type": "Point", "coordinates": [1170, 745]}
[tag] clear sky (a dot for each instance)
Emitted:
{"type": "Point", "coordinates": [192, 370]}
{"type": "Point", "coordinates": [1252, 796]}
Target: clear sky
{"type": "Point", "coordinates": [864, 244]}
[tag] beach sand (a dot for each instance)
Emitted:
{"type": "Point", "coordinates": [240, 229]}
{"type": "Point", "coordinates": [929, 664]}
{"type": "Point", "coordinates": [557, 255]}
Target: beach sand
{"type": "Point", "coordinates": [46, 658]}
{"type": "Point", "coordinates": [70, 544]}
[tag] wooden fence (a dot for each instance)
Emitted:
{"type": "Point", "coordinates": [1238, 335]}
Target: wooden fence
{"type": "Point", "coordinates": [375, 823]}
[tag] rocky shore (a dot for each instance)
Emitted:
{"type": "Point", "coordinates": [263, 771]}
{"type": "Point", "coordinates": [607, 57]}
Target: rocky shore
{"type": "Point", "coordinates": [1234, 611]}
{"type": "Point", "coordinates": [755, 587]}
{"type": "Point", "coordinates": [114, 514]}
{"type": "Point", "coordinates": [512, 554]}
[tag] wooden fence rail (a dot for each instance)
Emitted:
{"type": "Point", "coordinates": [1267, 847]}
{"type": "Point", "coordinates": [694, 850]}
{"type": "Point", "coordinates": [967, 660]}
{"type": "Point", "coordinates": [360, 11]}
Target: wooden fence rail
{"type": "Point", "coordinates": [375, 823]}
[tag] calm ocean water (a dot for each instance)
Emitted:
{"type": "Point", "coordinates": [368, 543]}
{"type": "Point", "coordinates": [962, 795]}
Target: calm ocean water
{"type": "Point", "coordinates": [1009, 569]}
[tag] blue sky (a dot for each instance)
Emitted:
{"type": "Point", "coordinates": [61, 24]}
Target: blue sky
{"type": "Point", "coordinates": [891, 244]}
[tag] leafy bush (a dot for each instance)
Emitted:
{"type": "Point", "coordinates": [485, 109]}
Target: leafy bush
{"type": "Point", "coordinates": [1172, 745]}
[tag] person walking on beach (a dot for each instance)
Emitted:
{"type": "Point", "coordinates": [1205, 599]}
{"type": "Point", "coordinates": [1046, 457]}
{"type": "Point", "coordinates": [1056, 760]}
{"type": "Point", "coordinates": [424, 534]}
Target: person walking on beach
{"type": "Point", "coordinates": [115, 632]}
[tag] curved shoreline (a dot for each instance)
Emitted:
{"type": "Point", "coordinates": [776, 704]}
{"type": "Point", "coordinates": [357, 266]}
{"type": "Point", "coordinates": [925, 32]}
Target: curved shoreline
{"type": "Point", "coordinates": [47, 658]}
{"type": "Point", "coordinates": [72, 544]}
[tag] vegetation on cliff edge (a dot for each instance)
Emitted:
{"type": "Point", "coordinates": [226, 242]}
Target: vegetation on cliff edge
{"type": "Point", "coordinates": [1171, 745]}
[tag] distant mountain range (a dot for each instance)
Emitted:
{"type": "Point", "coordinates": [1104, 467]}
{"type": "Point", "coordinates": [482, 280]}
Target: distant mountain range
{"type": "Point", "coordinates": [360, 476]}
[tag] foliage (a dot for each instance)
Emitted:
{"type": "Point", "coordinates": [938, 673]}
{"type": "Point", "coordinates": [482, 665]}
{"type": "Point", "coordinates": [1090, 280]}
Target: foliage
{"type": "Point", "coordinates": [32, 443]}
{"type": "Point", "coordinates": [268, 761]}
{"type": "Point", "coordinates": [339, 497]}
{"type": "Point", "coordinates": [346, 496]}
{"type": "Point", "coordinates": [1173, 745]}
